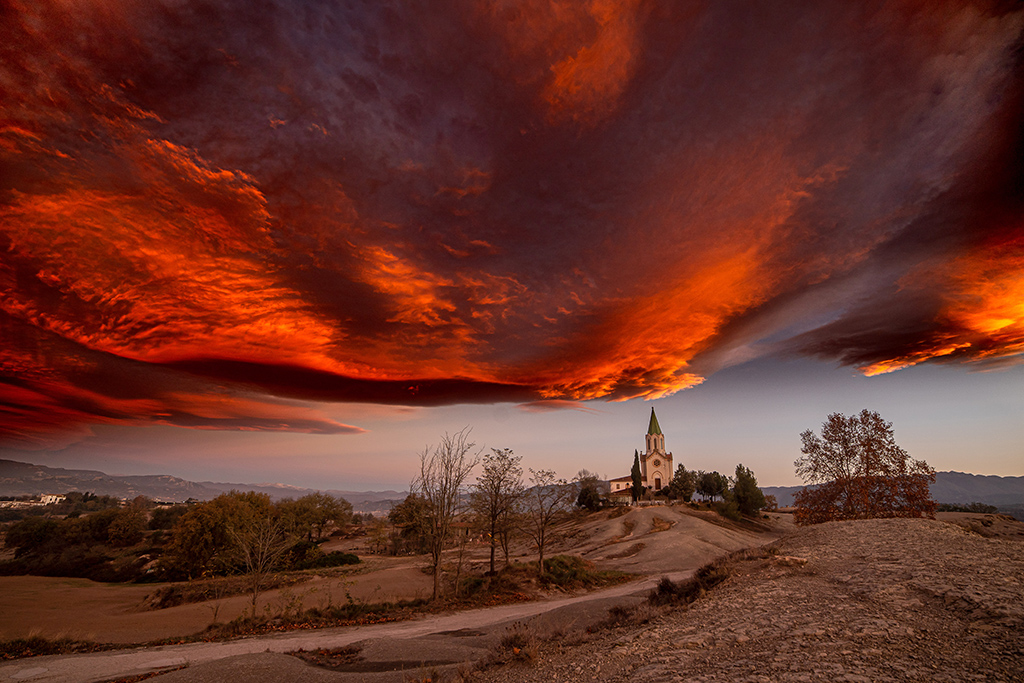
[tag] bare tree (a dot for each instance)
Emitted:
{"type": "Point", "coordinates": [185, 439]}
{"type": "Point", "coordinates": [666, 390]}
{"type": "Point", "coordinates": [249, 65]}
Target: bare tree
{"type": "Point", "coordinates": [259, 542]}
{"type": "Point", "coordinates": [496, 493]}
{"type": "Point", "coordinates": [443, 471]}
{"type": "Point", "coordinates": [543, 505]}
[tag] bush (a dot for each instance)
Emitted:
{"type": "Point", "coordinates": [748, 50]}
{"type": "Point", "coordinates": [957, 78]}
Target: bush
{"type": "Point", "coordinates": [970, 507]}
{"type": "Point", "coordinates": [728, 509]}
{"type": "Point", "coordinates": [570, 571]}
{"type": "Point", "coordinates": [563, 570]}
{"type": "Point", "coordinates": [589, 498]}
{"type": "Point", "coordinates": [334, 558]}
{"type": "Point", "coordinates": [704, 579]}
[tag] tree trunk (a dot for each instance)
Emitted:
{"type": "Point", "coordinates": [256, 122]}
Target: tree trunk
{"type": "Point", "coordinates": [437, 576]}
{"type": "Point", "coordinates": [494, 541]}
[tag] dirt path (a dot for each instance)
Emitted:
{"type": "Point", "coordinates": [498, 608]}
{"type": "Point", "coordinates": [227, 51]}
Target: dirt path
{"type": "Point", "coordinates": [106, 665]}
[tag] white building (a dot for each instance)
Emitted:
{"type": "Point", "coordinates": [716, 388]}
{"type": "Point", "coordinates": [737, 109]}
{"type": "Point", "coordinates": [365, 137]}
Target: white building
{"type": "Point", "coordinates": [655, 464]}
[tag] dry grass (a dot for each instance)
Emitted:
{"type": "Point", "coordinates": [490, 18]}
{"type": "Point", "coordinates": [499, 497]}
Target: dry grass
{"type": "Point", "coordinates": [621, 615]}
{"type": "Point", "coordinates": [659, 524]}
{"type": "Point", "coordinates": [628, 552]}
{"type": "Point", "coordinates": [36, 646]}
{"type": "Point", "coordinates": [519, 645]}
{"type": "Point", "coordinates": [330, 658]}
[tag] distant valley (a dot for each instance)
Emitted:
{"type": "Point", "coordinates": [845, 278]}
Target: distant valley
{"type": "Point", "coordinates": [24, 479]}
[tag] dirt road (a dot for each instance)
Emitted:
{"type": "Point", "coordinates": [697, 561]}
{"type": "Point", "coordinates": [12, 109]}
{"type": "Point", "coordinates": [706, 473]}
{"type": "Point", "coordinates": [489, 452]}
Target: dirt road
{"type": "Point", "coordinates": [449, 644]}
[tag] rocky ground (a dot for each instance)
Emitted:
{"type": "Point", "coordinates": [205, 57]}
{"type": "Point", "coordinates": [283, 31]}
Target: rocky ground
{"type": "Point", "coordinates": [876, 600]}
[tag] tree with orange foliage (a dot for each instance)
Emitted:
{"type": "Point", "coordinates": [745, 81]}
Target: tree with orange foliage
{"type": "Point", "coordinates": [859, 473]}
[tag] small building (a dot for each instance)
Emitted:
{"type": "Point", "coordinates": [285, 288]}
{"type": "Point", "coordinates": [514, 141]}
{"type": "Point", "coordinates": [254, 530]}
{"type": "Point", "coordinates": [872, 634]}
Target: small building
{"type": "Point", "coordinates": [52, 498]}
{"type": "Point", "coordinates": [655, 465]}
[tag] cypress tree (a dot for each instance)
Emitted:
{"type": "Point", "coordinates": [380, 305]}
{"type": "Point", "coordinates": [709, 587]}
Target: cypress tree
{"type": "Point", "coordinates": [638, 487]}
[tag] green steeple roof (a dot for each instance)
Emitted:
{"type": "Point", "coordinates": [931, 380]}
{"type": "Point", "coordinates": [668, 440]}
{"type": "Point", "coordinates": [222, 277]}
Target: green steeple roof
{"type": "Point", "coordinates": [655, 428]}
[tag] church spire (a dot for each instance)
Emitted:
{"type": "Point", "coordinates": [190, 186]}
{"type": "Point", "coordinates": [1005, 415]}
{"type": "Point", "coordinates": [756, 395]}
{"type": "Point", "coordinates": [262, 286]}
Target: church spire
{"type": "Point", "coordinates": [654, 428]}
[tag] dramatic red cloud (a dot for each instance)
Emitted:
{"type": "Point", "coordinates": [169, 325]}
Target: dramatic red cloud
{"type": "Point", "coordinates": [209, 216]}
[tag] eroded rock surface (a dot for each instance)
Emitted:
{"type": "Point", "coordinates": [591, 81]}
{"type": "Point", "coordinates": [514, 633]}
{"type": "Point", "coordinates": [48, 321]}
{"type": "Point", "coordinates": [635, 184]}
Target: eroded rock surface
{"type": "Point", "coordinates": [877, 600]}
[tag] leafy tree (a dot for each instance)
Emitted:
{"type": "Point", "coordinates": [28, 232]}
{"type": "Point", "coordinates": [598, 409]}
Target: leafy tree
{"type": "Point", "coordinates": [201, 538]}
{"type": "Point", "coordinates": [325, 510]}
{"type": "Point", "coordinates": [410, 521]}
{"type": "Point", "coordinates": [496, 493]}
{"type": "Point", "coordinates": [31, 533]}
{"type": "Point", "coordinates": [683, 484]}
{"type": "Point", "coordinates": [543, 505]}
{"type": "Point", "coordinates": [711, 485]}
{"type": "Point", "coordinates": [637, 488]}
{"type": "Point", "coordinates": [378, 534]}
{"type": "Point", "coordinates": [95, 527]}
{"type": "Point", "coordinates": [589, 496]}
{"type": "Point", "coordinates": [860, 472]}
{"type": "Point", "coordinates": [746, 493]}
{"type": "Point", "coordinates": [128, 525]}
{"type": "Point", "coordinates": [297, 515]}
{"type": "Point", "coordinates": [589, 499]}
{"type": "Point", "coordinates": [443, 471]}
{"type": "Point", "coordinates": [164, 516]}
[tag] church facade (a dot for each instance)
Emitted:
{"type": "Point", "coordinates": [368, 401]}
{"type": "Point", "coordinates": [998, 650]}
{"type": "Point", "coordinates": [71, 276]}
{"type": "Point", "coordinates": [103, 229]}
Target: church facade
{"type": "Point", "coordinates": [655, 464]}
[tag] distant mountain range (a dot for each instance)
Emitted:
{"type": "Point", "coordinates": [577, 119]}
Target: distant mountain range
{"type": "Point", "coordinates": [21, 479]}
{"type": "Point", "coordinates": [949, 487]}
{"type": "Point", "coordinates": [24, 479]}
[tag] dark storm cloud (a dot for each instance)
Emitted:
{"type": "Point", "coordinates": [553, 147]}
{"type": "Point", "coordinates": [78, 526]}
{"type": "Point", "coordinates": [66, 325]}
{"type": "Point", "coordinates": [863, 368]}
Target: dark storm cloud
{"type": "Point", "coordinates": [424, 204]}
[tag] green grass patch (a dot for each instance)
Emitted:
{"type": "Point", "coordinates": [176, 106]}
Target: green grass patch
{"type": "Point", "coordinates": [572, 572]}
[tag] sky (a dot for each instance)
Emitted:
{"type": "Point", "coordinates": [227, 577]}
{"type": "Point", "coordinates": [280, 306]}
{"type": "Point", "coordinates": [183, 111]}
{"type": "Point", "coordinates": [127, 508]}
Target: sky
{"type": "Point", "coordinates": [299, 241]}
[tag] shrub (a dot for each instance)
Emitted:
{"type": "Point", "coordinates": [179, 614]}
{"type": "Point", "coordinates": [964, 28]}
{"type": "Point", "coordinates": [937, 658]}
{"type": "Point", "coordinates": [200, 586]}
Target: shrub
{"type": "Point", "coordinates": [563, 570]}
{"type": "Point", "coordinates": [728, 509]}
{"type": "Point", "coordinates": [519, 644]}
{"type": "Point", "coordinates": [570, 571]}
{"type": "Point", "coordinates": [704, 579]}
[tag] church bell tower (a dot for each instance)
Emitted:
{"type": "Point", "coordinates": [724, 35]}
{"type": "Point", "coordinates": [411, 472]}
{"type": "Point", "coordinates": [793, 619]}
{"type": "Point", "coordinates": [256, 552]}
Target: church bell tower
{"type": "Point", "coordinates": [656, 463]}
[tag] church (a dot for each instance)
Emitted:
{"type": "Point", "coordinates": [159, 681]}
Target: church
{"type": "Point", "coordinates": [655, 464]}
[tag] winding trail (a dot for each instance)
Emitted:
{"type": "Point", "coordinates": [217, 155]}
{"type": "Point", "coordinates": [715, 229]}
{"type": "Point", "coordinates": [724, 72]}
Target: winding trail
{"type": "Point", "coordinates": [102, 666]}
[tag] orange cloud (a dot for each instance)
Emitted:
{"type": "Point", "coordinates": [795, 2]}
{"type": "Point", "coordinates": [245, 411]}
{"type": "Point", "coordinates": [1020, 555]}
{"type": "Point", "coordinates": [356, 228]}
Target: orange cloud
{"type": "Point", "coordinates": [988, 300]}
{"type": "Point", "coordinates": [588, 85]}
{"type": "Point", "coordinates": [537, 200]}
